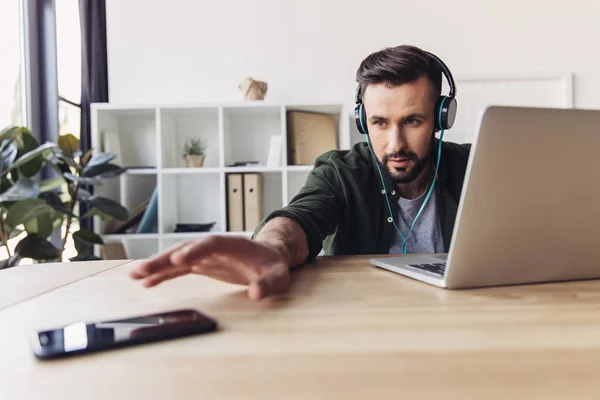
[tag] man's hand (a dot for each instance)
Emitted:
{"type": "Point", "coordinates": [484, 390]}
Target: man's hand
{"type": "Point", "coordinates": [232, 259]}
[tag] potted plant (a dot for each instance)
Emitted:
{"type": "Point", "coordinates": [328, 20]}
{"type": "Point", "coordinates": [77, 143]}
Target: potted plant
{"type": "Point", "coordinates": [34, 209]}
{"type": "Point", "coordinates": [193, 152]}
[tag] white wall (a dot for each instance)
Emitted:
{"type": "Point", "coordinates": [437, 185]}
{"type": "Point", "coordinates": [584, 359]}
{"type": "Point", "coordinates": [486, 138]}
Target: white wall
{"type": "Point", "coordinates": [199, 50]}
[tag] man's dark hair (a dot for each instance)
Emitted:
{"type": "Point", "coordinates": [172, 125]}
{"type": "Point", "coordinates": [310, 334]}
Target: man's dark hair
{"type": "Point", "coordinates": [398, 65]}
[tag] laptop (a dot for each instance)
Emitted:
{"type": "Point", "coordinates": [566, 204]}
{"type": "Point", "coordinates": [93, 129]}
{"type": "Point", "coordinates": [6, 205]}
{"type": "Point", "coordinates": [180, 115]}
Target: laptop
{"type": "Point", "coordinates": [530, 204]}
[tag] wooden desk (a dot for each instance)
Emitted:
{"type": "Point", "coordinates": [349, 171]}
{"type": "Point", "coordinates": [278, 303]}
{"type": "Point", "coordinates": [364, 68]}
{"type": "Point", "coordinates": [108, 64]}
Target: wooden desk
{"type": "Point", "coordinates": [345, 330]}
{"type": "Point", "coordinates": [24, 282]}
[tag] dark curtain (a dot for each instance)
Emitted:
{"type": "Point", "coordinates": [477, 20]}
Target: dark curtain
{"type": "Point", "coordinates": [94, 69]}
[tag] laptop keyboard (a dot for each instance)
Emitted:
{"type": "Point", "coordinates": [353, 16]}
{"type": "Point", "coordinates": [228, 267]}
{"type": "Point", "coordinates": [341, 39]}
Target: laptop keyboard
{"type": "Point", "coordinates": [436, 268]}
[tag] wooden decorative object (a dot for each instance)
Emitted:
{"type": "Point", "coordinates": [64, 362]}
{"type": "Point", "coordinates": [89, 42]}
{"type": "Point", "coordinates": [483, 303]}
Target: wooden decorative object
{"type": "Point", "coordinates": [253, 90]}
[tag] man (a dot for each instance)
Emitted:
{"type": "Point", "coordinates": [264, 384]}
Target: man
{"type": "Point", "coordinates": [367, 200]}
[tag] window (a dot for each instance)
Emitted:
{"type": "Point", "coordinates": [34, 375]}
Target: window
{"type": "Point", "coordinates": [68, 43]}
{"type": "Point", "coordinates": [11, 97]}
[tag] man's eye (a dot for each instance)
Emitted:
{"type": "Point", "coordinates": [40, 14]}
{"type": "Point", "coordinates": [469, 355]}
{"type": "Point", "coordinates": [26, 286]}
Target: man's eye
{"type": "Point", "coordinates": [380, 124]}
{"type": "Point", "coordinates": [412, 121]}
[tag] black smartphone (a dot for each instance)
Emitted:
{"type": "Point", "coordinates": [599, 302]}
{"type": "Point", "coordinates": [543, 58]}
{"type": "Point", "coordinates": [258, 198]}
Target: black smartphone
{"type": "Point", "coordinates": [86, 337]}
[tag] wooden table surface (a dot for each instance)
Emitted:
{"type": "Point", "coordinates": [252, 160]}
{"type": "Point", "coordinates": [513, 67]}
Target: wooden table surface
{"type": "Point", "coordinates": [344, 330]}
{"type": "Point", "coordinates": [21, 283]}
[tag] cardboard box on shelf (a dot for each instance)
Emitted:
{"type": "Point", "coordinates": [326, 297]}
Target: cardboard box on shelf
{"type": "Point", "coordinates": [309, 135]}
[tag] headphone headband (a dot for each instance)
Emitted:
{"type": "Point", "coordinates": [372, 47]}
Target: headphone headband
{"type": "Point", "coordinates": [446, 72]}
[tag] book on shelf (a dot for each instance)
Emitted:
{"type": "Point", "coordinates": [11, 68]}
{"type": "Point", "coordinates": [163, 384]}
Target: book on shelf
{"type": "Point", "coordinates": [244, 201]}
{"type": "Point", "coordinates": [235, 203]}
{"type": "Point", "coordinates": [134, 218]}
{"type": "Point", "coordinates": [253, 192]}
{"type": "Point", "coordinates": [149, 221]}
{"type": "Point", "coordinates": [274, 156]}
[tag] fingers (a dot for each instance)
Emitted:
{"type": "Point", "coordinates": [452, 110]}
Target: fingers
{"type": "Point", "coordinates": [222, 271]}
{"type": "Point", "coordinates": [275, 280]}
{"type": "Point", "coordinates": [232, 246]}
{"type": "Point", "coordinates": [155, 264]}
{"type": "Point", "coordinates": [159, 277]}
{"type": "Point", "coordinates": [232, 259]}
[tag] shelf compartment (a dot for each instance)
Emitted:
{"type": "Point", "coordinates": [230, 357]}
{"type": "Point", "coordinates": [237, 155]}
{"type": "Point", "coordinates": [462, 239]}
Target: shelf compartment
{"type": "Point", "coordinates": [180, 124]}
{"type": "Point", "coordinates": [247, 133]}
{"type": "Point", "coordinates": [131, 134]}
{"type": "Point", "coordinates": [270, 198]}
{"type": "Point", "coordinates": [191, 199]}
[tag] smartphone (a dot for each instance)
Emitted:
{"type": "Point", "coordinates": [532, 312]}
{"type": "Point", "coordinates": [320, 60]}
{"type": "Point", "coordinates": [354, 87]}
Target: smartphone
{"type": "Point", "coordinates": [86, 337]}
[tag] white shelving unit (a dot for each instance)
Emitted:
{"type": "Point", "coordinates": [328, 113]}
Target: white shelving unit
{"type": "Point", "coordinates": [150, 141]}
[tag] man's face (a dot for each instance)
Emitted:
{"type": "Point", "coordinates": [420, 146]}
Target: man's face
{"type": "Point", "coordinates": [401, 123]}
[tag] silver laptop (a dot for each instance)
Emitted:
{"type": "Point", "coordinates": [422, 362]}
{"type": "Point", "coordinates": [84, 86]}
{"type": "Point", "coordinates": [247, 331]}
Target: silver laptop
{"type": "Point", "coordinates": [530, 204]}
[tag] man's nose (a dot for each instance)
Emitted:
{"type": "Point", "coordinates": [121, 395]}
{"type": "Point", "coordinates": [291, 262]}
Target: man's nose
{"type": "Point", "coordinates": [396, 139]}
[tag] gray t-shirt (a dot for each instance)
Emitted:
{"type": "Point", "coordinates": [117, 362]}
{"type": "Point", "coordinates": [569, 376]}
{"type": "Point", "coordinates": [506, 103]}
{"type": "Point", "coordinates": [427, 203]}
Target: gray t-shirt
{"type": "Point", "coordinates": [426, 236]}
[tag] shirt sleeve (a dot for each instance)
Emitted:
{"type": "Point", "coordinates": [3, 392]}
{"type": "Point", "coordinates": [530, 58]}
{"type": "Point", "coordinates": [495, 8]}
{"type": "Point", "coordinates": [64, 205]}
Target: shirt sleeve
{"type": "Point", "coordinates": [318, 207]}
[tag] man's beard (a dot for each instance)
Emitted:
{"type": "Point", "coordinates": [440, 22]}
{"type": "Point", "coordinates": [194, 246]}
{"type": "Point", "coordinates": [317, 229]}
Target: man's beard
{"type": "Point", "coordinates": [404, 177]}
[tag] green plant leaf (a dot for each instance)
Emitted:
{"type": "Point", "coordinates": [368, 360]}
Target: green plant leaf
{"type": "Point", "coordinates": [51, 184]}
{"type": "Point", "coordinates": [5, 132]}
{"type": "Point", "coordinates": [87, 236]}
{"type": "Point", "coordinates": [29, 144]}
{"type": "Point", "coordinates": [104, 170]}
{"type": "Point", "coordinates": [101, 158]}
{"type": "Point", "coordinates": [53, 200]}
{"type": "Point", "coordinates": [44, 151]}
{"type": "Point", "coordinates": [94, 212]}
{"type": "Point", "coordinates": [85, 249]}
{"type": "Point", "coordinates": [41, 225]}
{"type": "Point", "coordinates": [23, 189]}
{"type": "Point", "coordinates": [11, 132]}
{"type": "Point", "coordinates": [82, 180]}
{"type": "Point", "coordinates": [24, 210]}
{"type": "Point", "coordinates": [37, 248]}
{"type": "Point", "coordinates": [59, 166]}
{"type": "Point", "coordinates": [10, 262]}
{"type": "Point", "coordinates": [68, 143]}
{"type": "Point", "coordinates": [12, 233]}
{"type": "Point", "coordinates": [59, 157]}
{"type": "Point", "coordinates": [57, 220]}
{"type": "Point", "coordinates": [194, 147]}
{"type": "Point", "coordinates": [83, 195]}
{"type": "Point", "coordinates": [8, 154]}
{"type": "Point", "coordinates": [5, 184]}
{"type": "Point", "coordinates": [84, 257]}
{"type": "Point", "coordinates": [108, 207]}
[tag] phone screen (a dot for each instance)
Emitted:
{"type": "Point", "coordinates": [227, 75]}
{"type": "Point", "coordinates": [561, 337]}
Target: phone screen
{"type": "Point", "coordinates": [85, 337]}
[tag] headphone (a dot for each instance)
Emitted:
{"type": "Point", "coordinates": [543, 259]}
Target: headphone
{"type": "Point", "coordinates": [445, 106]}
{"type": "Point", "coordinates": [445, 114]}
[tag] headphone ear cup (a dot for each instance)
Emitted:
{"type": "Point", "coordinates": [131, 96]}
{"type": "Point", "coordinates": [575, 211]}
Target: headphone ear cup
{"type": "Point", "coordinates": [437, 111]}
{"type": "Point", "coordinates": [445, 112]}
{"type": "Point", "coordinates": [361, 119]}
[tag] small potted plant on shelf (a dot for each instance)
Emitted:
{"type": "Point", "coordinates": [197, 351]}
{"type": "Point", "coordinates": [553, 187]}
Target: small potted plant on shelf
{"type": "Point", "coordinates": [193, 152]}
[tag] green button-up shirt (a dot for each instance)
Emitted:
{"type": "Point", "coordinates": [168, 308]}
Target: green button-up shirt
{"type": "Point", "coordinates": [342, 208]}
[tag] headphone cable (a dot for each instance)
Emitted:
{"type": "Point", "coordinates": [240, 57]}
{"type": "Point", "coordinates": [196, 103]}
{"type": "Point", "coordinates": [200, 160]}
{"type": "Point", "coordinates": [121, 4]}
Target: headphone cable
{"type": "Point", "coordinates": [424, 202]}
